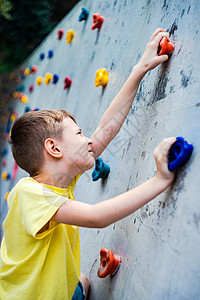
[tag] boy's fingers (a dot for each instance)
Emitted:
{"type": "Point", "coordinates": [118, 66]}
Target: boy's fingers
{"type": "Point", "coordinates": [165, 145]}
{"type": "Point", "coordinates": [159, 37]}
{"type": "Point", "coordinates": [156, 32]}
{"type": "Point", "coordinates": [162, 58]}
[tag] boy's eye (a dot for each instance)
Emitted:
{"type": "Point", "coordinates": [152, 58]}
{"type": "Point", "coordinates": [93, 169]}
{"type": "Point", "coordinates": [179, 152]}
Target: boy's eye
{"type": "Point", "coordinates": [79, 132]}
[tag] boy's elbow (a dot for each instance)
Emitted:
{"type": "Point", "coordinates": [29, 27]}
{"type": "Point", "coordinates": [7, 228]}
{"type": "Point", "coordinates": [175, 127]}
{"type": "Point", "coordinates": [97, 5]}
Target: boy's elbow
{"type": "Point", "coordinates": [97, 219]}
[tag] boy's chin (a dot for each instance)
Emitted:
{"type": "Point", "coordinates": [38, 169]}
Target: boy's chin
{"type": "Point", "coordinates": [90, 164]}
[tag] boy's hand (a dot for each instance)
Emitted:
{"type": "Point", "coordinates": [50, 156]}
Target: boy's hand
{"type": "Point", "coordinates": [161, 157]}
{"type": "Point", "coordinates": [150, 58]}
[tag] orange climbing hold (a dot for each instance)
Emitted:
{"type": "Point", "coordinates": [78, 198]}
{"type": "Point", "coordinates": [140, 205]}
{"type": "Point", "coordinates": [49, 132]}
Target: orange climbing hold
{"type": "Point", "coordinates": [165, 46]}
{"type": "Point", "coordinates": [97, 21]}
{"type": "Point", "coordinates": [109, 263]}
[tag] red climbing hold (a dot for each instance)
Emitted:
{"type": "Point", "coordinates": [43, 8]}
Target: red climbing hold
{"type": "Point", "coordinates": [109, 263]}
{"type": "Point", "coordinates": [31, 88]}
{"type": "Point", "coordinates": [97, 21]}
{"type": "Point", "coordinates": [165, 46]}
{"type": "Point", "coordinates": [67, 82]}
{"type": "Point", "coordinates": [60, 34]}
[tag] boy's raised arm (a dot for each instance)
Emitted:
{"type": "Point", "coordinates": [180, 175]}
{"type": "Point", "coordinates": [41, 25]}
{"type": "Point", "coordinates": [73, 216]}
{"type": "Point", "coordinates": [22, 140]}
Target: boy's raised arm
{"type": "Point", "coordinates": [107, 212]}
{"type": "Point", "coordinates": [116, 113]}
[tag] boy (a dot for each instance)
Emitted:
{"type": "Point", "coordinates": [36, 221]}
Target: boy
{"type": "Point", "coordinates": [40, 251]}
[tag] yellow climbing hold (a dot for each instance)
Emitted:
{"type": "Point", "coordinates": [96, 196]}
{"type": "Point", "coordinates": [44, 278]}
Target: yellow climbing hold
{"type": "Point", "coordinates": [70, 36]}
{"type": "Point", "coordinates": [6, 196]}
{"type": "Point", "coordinates": [4, 175]}
{"type": "Point", "coordinates": [24, 99]}
{"type": "Point", "coordinates": [27, 71]}
{"type": "Point", "coordinates": [48, 78]}
{"type": "Point", "coordinates": [39, 80]}
{"type": "Point", "coordinates": [101, 77]}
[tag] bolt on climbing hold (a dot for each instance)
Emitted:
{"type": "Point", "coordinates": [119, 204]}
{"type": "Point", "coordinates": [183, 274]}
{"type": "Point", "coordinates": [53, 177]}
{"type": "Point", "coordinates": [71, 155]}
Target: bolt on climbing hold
{"type": "Point", "coordinates": [4, 163]}
{"type": "Point", "coordinates": [27, 72]}
{"type": "Point", "coordinates": [50, 54]}
{"type": "Point", "coordinates": [48, 78]}
{"type": "Point", "coordinates": [60, 34]}
{"type": "Point", "coordinates": [39, 80]}
{"type": "Point", "coordinates": [67, 82]}
{"type": "Point", "coordinates": [70, 36]}
{"type": "Point", "coordinates": [24, 99]}
{"type": "Point", "coordinates": [165, 46]}
{"type": "Point", "coordinates": [109, 263]}
{"type": "Point", "coordinates": [6, 196]}
{"type": "Point", "coordinates": [179, 153]}
{"type": "Point", "coordinates": [101, 77]}
{"type": "Point", "coordinates": [55, 78]}
{"type": "Point", "coordinates": [6, 176]}
{"type": "Point", "coordinates": [34, 69]}
{"type": "Point", "coordinates": [31, 88]}
{"type": "Point", "coordinates": [101, 170]}
{"type": "Point", "coordinates": [97, 21]}
{"type": "Point", "coordinates": [83, 15]}
{"type": "Point", "coordinates": [42, 56]}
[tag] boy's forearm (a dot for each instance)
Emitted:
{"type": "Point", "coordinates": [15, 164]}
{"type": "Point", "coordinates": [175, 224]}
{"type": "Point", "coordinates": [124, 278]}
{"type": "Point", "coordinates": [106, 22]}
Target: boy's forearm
{"type": "Point", "coordinates": [117, 208]}
{"type": "Point", "coordinates": [117, 111]}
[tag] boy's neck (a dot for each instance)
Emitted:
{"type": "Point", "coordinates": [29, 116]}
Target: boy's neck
{"type": "Point", "coordinates": [59, 180]}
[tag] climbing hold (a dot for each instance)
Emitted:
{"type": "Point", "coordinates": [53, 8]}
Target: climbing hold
{"type": "Point", "coordinates": [50, 54]}
{"type": "Point", "coordinates": [24, 99]}
{"type": "Point", "coordinates": [48, 78]}
{"type": "Point", "coordinates": [101, 77]}
{"type": "Point", "coordinates": [5, 136]}
{"type": "Point", "coordinates": [27, 109]}
{"type": "Point", "coordinates": [55, 78]}
{"type": "Point", "coordinates": [12, 76]}
{"type": "Point", "coordinates": [70, 36]}
{"type": "Point", "coordinates": [101, 170]}
{"type": "Point", "coordinates": [179, 153]}
{"type": "Point", "coordinates": [31, 88]}
{"type": "Point", "coordinates": [39, 80]}
{"type": "Point", "coordinates": [97, 21]}
{"type": "Point", "coordinates": [67, 82]}
{"type": "Point", "coordinates": [27, 72]}
{"type": "Point", "coordinates": [5, 176]}
{"type": "Point", "coordinates": [4, 163]}
{"type": "Point", "coordinates": [109, 263]}
{"type": "Point", "coordinates": [13, 116]}
{"type": "Point", "coordinates": [21, 71]}
{"type": "Point", "coordinates": [6, 196]}
{"type": "Point", "coordinates": [34, 69]}
{"type": "Point", "coordinates": [4, 152]}
{"type": "Point", "coordinates": [165, 46]}
{"type": "Point", "coordinates": [60, 34]}
{"type": "Point", "coordinates": [20, 89]}
{"type": "Point", "coordinates": [42, 56]}
{"type": "Point", "coordinates": [83, 15]}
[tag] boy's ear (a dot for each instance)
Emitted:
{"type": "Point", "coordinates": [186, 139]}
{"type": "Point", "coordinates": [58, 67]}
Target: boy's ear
{"type": "Point", "coordinates": [52, 148]}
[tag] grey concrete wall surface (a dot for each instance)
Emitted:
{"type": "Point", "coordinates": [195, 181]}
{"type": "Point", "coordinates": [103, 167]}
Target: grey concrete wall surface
{"type": "Point", "coordinates": [160, 243]}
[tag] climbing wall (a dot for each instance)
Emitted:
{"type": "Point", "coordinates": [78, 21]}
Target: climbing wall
{"type": "Point", "coordinates": [160, 243]}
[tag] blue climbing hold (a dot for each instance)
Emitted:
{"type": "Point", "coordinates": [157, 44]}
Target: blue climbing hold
{"type": "Point", "coordinates": [83, 15]}
{"type": "Point", "coordinates": [101, 170]}
{"type": "Point", "coordinates": [55, 78]}
{"type": "Point", "coordinates": [50, 54]}
{"type": "Point", "coordinates": [4, 152]}
{"type": "Point", "coordinates": [42, 56]}
{"type": "Point", "coordinates": [179, 153]}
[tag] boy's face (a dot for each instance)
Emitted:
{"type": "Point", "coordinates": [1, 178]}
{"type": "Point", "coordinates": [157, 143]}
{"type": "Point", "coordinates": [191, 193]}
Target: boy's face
{"type": "Point", "coordinates": [75, 147]}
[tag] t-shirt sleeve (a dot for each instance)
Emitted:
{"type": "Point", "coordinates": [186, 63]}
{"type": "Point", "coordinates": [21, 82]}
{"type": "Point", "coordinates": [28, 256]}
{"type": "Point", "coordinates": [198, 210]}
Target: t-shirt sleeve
{"type": "Point", "coordinates": [36, 205]}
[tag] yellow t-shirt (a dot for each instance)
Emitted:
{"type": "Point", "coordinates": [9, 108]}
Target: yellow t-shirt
{"type": "Point", "coordinates": [35, 265]}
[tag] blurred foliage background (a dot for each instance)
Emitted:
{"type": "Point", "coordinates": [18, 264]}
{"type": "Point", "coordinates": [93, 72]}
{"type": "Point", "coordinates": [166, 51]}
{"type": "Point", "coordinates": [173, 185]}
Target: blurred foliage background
{"type": "Point", "coordinates": [24, 24]}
